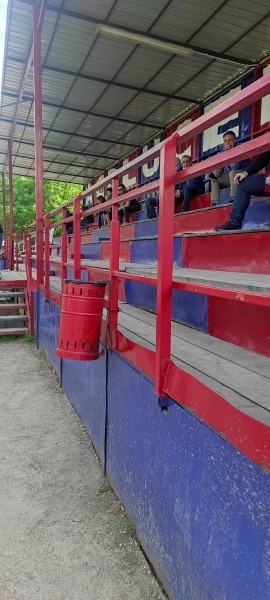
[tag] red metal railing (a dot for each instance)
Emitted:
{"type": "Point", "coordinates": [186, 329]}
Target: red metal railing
{"type": "Point", "coordinates": [166, 150]}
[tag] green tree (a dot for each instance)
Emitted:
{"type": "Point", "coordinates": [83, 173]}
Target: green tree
{"type": "Point", "coordinates": [55, 193]}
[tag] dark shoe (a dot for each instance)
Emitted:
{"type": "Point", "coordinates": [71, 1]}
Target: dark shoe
{"type": "Point", "coordinates": [231, 200]}
{"type": "Point", "coordinates": [228, 226]}
{"type": "Point", "coordinates": [214, 204]}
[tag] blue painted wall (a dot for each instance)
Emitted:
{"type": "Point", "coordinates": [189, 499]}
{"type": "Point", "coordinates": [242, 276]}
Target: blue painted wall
{"type": "Point", "coordinates": [201, 508]}
{"type": "Point", "coordinates": [85, 384]}
{"type": "Point", "coordinates": [47, 325]}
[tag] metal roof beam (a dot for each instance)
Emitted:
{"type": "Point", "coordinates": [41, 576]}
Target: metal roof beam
{"type": "Point", "coordinates": [109, 82]}
{"type": "Point", "coordinates": [75, 135]}
{"type": "Point", "coordinates": [55, 162]}
{"type": "Point", "coordinates": [85, 113]}
{"type": "Point", "coordinates": [62, 150]}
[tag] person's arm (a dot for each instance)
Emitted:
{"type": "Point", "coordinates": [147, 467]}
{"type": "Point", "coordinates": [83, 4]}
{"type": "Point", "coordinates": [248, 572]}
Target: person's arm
{"type": "Point", "coordinates": [256, 165]}
{"type": "Point", "coordinates": [195, 184]}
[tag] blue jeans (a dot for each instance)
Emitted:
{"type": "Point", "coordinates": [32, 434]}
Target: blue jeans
{"type": "Point", "coordinates": [253, 185]}
{"type": "Point", "coordinates": [187, 194]}
{"type": "Point", "coordinates": [151, 203]}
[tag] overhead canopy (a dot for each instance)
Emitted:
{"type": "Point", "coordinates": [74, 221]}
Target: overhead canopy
{"type": "Point", "coordinates": [106, 92]}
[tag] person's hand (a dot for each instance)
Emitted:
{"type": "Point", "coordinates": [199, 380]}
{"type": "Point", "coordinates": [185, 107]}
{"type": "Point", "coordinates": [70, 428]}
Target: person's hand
{"type": "Point", "coordinates": [217, 173]}
{"type": "Point", "coordinates": [240, 176]}
{"type": "Point", "coordinates": [177, 194]}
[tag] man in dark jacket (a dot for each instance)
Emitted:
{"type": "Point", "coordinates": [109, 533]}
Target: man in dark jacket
{"type": "Point", "coordinates": [1, 236]}
{"type": "Point", "coordinates": [130, 206]}
{"type": "Point", "coordinates": [184, 190]}
{"type": "Point", "coordinates": [224, 177]}
{"type": "Point", "coordinates": [250, 184]}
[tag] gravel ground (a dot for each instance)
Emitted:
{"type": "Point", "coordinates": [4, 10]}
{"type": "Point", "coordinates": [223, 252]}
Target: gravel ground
{"type": "Point", "coordinates": [64, 535]}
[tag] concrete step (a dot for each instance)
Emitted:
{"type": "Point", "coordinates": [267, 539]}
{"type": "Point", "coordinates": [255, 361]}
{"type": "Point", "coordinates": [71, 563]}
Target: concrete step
{"type": "Point", "coordinates": [9, 319]}
{"type": "Point", "coordinates": [238, 251]}
{"type": "Point", "coordinates": [243, 251]}
{"type": "Point", "coordinates": [13, 331]}
{"type": "Point", "coordinates": [12, 306]}
{"type": "Point", "coordinates": [246, 324]}
{"type": "Point", "coordinates": [5, 295]}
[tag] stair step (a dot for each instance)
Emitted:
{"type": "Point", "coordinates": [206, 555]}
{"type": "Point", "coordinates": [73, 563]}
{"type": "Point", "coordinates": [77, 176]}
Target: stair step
{"type": "Point", "coordinates": [13, 331]}
{"type": "Point", "coordinates": [12, 318]}
{"type": "Point", "coordinates": [12, 306]}
{"type": "Point", "coordinates": [5, 295]}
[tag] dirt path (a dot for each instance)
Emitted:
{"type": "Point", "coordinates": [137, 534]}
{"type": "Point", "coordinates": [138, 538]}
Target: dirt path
{"type": "Point", "coordinates": [63, 534]}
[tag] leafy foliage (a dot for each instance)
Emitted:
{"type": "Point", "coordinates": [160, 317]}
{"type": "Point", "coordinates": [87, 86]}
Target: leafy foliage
{"type": "Point", "coordinates": [55, 193]}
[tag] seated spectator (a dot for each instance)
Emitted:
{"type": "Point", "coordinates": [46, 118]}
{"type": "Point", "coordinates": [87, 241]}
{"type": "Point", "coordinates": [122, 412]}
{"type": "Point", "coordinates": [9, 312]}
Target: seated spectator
{"type": "Point", "coordinates": [125, 209]}
{"type": "Point", "coordinates": [249, 184]}
{"type": "Point", "coordinates": [69, 226]}
{"type": "Point", "coordinates": [224, 178]}
{"type": "Point", "coordinates": [184, 190]}
{"type": "Point", "coordinates": [88, 220]}
{"type": "Point", "coordinates": [153, 202]}
{"type": "Point", "coordinates": [108, 196]}
{"type": "Point", "coordinates": [103, 218]}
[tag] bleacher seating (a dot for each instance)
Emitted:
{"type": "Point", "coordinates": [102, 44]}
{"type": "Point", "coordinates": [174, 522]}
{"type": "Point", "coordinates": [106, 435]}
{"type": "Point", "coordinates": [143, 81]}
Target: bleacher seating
{"type": "Point", "coordinates": [238, 258]}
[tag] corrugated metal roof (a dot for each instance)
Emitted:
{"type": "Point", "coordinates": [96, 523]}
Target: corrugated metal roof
{"type": "Point", "coordinates": [104, 95]}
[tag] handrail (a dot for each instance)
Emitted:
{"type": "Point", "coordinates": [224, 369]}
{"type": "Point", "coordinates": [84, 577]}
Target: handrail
{"type": "Point", "coordinates": [166, 150]}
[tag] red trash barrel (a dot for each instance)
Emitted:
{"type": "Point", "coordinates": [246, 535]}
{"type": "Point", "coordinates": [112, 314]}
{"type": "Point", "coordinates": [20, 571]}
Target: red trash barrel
{"type": "Point", "coordinates": [80, 320]}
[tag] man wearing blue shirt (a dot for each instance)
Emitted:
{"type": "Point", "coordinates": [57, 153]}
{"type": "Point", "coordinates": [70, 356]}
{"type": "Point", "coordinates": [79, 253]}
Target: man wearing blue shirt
{"type": "Point", "coordinates": [225, 177]}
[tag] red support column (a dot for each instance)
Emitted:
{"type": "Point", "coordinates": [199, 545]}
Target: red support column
{"type": "Point", "coordinates": [165, 261]}
{"type": "Point", "coordinates": [64, 249]}
{"type": "Point", "coordinates": [114, 259]}
{"type": "Point", "coordinates": [11, 213]}
{"type": "Point", "coordinates": [38, 142]}
{"type": "Point", "coordinates": [4, 211]}
{"type": "Point", "coordinates": [16, 242]}
{"type": "Point", "coordinates": [47, 255]}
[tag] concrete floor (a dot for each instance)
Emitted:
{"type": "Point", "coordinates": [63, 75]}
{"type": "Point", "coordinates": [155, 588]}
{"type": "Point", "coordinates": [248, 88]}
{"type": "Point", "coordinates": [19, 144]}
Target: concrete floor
{"type": "Point", "coordinates": [63, 533]}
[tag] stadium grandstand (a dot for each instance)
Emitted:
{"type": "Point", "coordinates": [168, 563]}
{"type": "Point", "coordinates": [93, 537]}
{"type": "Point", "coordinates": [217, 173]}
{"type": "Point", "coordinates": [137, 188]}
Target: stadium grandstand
{"type": "Point", "coordinates": [174, 389]}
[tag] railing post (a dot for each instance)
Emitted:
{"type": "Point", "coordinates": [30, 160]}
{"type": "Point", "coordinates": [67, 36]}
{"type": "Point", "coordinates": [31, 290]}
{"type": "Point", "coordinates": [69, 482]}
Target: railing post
{"type": "Point", "coordinates": [38, 142]}
{"type": "Point", "coordinates": [77, 236]}
{"type": "Point", "coordinates": [114, 258]}
{"type": "Point", "coordinates": [30, 289]}
{"type": "Point", "coordinates": [47, 255]}
{"type": "Point", "coordinates": [64, 249]}
{"type": "Point", "coordinates": [4, 212]}
{"type": "Point", "coordinates": [11, 212]}
{"type": "Point", "coordinates": [16, 237]}
{"type": "Point", "coordinates": [165, 261]}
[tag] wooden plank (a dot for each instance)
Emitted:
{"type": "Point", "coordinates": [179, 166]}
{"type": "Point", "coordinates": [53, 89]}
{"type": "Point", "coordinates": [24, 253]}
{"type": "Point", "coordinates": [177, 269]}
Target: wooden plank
{"type": "Point", "coordinates": [249, 386]}
{"type": "Point", "coordinates": [257, 363]}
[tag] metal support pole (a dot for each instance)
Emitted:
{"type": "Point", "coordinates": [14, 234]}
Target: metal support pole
{"type": "Point", "coordinates": [38, 142]}
{"type": "Point", "coordinates": [114, 258]}
{"type": "Point", "coordinates": [4, 209]}
{"type": "Point", "coordinates": [165, 261]}
{"type": "Point", "coordinates": [77, 236]}
{"type": "Point", "coordinates": [11, 212]}
{"type": "Point", "coordinates": [47, 255]}
{"type": "Point", "coordinates": [64, 249]}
